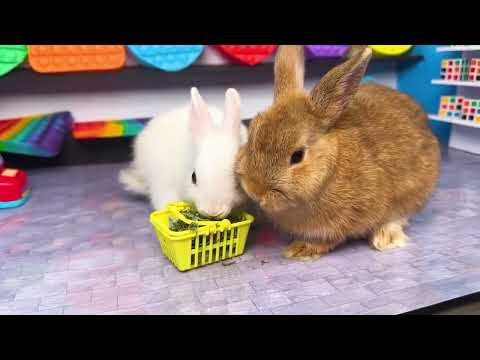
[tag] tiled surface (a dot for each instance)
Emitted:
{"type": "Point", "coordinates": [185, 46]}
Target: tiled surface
{"type": "Point", "coordinates": [82, 246]}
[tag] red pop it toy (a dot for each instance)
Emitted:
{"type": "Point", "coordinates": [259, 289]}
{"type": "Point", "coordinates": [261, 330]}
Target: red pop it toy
{"type": "Point", "coordinates": [248, 54]}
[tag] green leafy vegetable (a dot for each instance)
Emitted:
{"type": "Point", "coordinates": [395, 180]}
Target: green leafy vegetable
{"type": "Point", "coordinates": [192, 214]}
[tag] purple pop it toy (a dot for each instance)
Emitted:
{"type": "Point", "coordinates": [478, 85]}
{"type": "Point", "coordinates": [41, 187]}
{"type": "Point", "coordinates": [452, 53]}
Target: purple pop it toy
{"type": "Point", "coordinates": [316, 51]}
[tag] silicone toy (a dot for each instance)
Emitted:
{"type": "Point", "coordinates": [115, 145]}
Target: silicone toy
{"type": "Point", "coordinates": [319, 51]}
{"type": "Point", "coordinates": [39, 135]}
{"type": "Point", "coordinates": [14, 189]}
{"type": "Point", "coordinates": [71, 58]}
{"type": "Point", "coordinates": [11, 56]}
{"type": "Point", "coordinates": [390, 50]}
{"type": "Point", "coordinates": [248, 54]}
{"type": "Point", "coordinates": [108, 129]}
{"type": "Point", "coordinates": [166, 57]}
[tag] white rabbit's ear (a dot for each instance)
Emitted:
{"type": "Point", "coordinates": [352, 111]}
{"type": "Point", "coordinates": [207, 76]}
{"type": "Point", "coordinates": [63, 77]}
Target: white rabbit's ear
{"type": "Point", "coordinates": [232, 120]}
{"type": "Point", "coordinates": [200, 117]}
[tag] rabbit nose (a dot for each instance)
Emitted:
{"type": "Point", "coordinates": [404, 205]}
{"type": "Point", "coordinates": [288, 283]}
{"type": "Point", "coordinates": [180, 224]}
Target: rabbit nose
{"type": "Point", "coordinates": [255, 190]}
{"type": "Point", "coordinates": [223, 212]}
{"type": "Point", "coordinates": [218, 212]}
{"type": "Point", "coordinates": [263, 201]}
{"type": "Point", "coordinates": [260, 198]}
{"type": "Point", "coordinates": [222, 215]}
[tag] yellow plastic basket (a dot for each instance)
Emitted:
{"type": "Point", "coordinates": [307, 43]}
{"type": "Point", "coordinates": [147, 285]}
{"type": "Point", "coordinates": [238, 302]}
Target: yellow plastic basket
{"type": "Point", "coordinates": [211, 242]}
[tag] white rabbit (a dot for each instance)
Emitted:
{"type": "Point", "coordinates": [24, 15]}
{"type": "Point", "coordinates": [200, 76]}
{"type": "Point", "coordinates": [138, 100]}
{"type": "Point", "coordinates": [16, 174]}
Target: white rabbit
{"type": "Point", "coordinates": [188, 154]}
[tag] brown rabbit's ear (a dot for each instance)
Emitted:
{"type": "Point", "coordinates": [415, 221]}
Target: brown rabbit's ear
{"type": "Point", "coordinates": [289, 70]}
{"type": "Point", "coordinates": [333, 93]}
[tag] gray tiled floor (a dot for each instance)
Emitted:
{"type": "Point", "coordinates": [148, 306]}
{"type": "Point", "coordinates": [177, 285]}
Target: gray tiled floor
{"type": "Point", "coordinates": [82, 246]}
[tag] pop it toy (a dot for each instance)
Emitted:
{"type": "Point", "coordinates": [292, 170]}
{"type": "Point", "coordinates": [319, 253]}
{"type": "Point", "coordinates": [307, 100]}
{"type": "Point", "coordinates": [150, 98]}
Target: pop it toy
{"type": "Point", "coordinates": [11, 56]}
{"type": "Point", "coordinates": [69, 58]}
{"type": "Point", "coordinates": [249, 54]}
{"type": "Point", "coordinates": [39, 135]}
{"type": "Point", "coordinates": [166, 57]}
{"type": "Point", "coordinates": [108, 128]}
{"type": "Point", "coordinates": [390, 50]}
{"type": "Point", "coordinates": [319, 51]}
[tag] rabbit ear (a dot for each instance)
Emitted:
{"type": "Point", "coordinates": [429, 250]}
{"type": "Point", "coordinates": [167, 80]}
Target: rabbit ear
{"type": "Point", "coordinates": [200, 117]}
{"type": "Point", "coordinates": [231, 122]}
{"type": "Point", "coordinates": [333, 93]}
{"type": "Point", "coordinates": [289, 70]}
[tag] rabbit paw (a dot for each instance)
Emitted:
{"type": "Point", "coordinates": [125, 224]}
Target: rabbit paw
{"type": "Point", "coordinates": [389, 236]}
{"type": "Point", "coordinates": [302, 250]}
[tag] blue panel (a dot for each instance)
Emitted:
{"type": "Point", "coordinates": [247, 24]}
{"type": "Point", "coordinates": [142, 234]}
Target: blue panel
{"type": "Point", "coordinates": [415, 80]}
{"type": "Point", "coordinates": [380, 73]}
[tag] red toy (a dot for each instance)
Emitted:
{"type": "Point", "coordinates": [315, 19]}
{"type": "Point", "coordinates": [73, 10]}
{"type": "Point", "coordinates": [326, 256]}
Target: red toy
{"type": "Point", "coordinates": [14, 190]}
{"type": "Point", "coordinates": [249, 54]}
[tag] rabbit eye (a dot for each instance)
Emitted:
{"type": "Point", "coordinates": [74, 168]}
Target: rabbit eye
{"type": "Point", "coordinates": [194, 178]}
{"type": "Point", "coordinates": [297, 157]}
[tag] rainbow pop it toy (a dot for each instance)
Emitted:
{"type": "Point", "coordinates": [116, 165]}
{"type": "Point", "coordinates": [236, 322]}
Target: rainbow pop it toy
{"type": "Point", "coordinates": [71, 58]}
{"type": "Point", "coordinates": [11, 56]}
{"type": "Point", "coordinates": [248, 54]}
{"type": "Point", "coordinates": [39, 135]}
{"type": "Point", "coordinates": [108, 128]}
{"type": "Point", "coordinates": [167, 57]}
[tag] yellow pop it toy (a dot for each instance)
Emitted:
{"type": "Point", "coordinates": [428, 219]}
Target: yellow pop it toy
{"type": "Point", "coordinates": [390, 50]}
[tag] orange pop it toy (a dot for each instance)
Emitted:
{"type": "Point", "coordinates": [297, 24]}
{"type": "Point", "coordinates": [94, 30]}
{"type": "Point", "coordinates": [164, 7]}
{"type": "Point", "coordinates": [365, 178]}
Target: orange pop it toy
{"type": "Point", "coordinates": [249, 54]}
{"type": "Point", "coordinates": [71, 58]}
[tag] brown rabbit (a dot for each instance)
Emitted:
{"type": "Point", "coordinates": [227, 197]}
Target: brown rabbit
{"type": "Point", "coordinates": [346, 160]}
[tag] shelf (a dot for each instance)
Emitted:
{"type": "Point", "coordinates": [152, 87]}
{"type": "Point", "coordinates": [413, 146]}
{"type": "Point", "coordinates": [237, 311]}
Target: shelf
{"type": "Point", "coordinates": [459, 48]}
{"type": "Point", "coordinates": [204, 68]}
{"type": "Point", "coordinates": [455, 121]}
{"type": "Point", "coordinates": [456, 83]}
{"type": "Point", "coordinates": [402, 58]}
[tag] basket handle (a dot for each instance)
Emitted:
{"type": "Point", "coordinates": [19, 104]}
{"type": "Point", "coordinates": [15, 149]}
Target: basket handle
{"type": "Point", "coordinates": [174, 209]}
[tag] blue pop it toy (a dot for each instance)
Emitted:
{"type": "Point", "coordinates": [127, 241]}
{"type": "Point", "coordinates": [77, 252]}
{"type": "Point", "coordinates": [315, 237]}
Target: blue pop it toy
{"type": "Point", "coordinates": [167, 57]}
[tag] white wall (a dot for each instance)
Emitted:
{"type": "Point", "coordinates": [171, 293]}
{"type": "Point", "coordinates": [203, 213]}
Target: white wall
{"type": "Point", "coordinates": [139, 92]}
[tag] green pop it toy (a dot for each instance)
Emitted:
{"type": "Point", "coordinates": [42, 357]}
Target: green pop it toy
{"type": "Point", "coordinates": [11, 56]}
